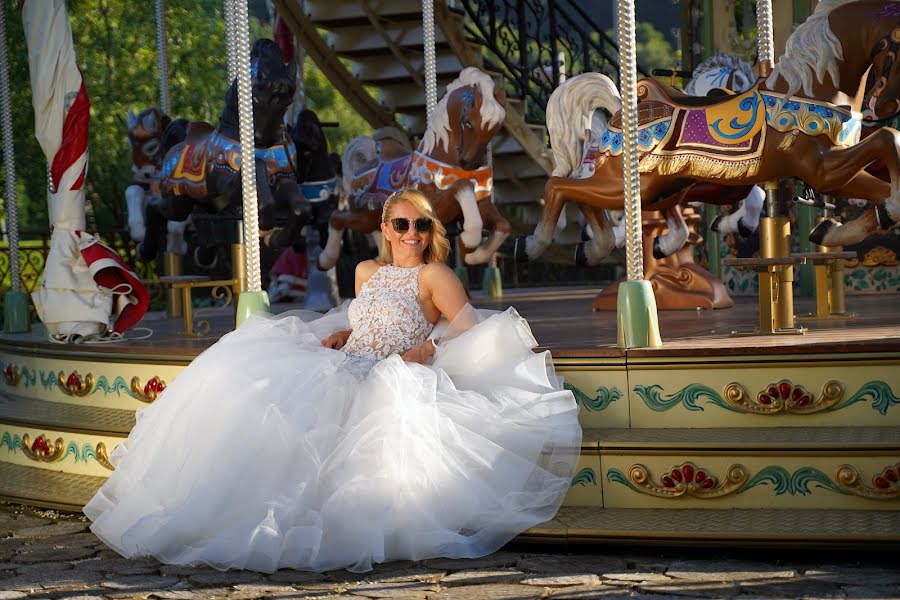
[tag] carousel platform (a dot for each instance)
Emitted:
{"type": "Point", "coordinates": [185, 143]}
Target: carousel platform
{"type": "Point", "coordinates": [712, 439]}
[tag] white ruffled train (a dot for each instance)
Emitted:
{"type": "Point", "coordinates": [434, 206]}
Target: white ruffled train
{"type": "Point", "coordinates": [270, 451]}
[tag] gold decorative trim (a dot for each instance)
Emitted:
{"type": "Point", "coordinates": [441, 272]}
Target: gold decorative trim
{"type": "Point", "coordinates": [41, 449]}
{"type": "Point", "coordinates": [147, 393]}
{"type": "Point", "coordinates": [688, 480]}
{"type": "Point", "coordinates": [102, 456]}
{"type": "Point", "coordinates": [74, 385]}
{"type": "Point", "coordinates": [784, 397]}
{"type": "Point", "coordinates": [878, 256]}
{"type": "Point", "coordinates": [885, 485]}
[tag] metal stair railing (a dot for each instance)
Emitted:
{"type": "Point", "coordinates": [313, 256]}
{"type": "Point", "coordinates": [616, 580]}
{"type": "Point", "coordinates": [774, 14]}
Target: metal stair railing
{"type": "Point", "coordinates": [537, 43]}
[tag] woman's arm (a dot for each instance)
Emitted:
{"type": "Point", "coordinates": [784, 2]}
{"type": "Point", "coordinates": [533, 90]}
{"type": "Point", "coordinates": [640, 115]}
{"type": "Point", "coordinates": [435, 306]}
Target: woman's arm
{"type": "Point", "coordinates": [445, 291]}
{"type": "Point", "coordinates": [336, 340]}
{"type": "Point", "coordinates": [364, 270]}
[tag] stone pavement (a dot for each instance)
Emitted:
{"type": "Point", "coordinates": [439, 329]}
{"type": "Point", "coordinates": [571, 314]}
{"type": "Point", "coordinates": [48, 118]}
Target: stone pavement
{"type": "Point", "coordinates": [47, 555]}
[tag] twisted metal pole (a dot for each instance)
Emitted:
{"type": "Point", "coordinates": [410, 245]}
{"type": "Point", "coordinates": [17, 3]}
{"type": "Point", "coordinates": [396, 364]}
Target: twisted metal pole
{"type": "Point", "coordinates": [765, 37]}
{"type": "Point", "coordinates": [430, 59]}
{"type": "Point", "coordinates": [248, 144]}
{"type": "Point", "coordinates": [634, 261]}
{"type": "Point", "coordinates": [230, 59]}
{"type": "Point", "coordinates": [162, 47]}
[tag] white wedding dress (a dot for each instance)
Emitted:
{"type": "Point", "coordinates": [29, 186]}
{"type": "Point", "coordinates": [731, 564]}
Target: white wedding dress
{"type": "Point", "coordinates": [270, 451]}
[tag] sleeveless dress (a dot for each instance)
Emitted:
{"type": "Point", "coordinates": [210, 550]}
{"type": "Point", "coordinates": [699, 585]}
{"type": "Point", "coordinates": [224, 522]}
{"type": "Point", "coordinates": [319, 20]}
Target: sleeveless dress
{"type": "Point", "coordinates": [271, 451]}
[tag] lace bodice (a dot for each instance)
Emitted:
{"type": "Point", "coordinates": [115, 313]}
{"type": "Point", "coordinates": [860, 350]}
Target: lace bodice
{"type": "Point", "coordinates": [386, 317]}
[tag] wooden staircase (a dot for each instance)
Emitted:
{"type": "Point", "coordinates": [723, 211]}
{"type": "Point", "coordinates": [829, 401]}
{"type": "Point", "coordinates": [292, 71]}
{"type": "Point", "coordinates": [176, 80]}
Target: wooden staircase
{"type": "Point", "coordinates": [382, 40]}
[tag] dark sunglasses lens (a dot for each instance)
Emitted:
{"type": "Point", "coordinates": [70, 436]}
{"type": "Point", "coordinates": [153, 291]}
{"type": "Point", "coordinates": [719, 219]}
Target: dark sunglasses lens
{"type": "Point", "coordinates": [423, 225]}
{"type": "Point", "coordinates": [400, 225]}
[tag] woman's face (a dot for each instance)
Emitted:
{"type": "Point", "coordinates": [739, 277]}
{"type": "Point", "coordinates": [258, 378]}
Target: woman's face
{"type": "Point", "coordinates": [408, 246]}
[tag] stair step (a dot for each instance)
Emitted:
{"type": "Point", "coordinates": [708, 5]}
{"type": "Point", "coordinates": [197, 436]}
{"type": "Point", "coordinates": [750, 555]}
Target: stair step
{"type": "Point", "coordinates": [365, 40]}
{"type": "Point", "coordinates": [407, 96]}
{"type": "Point", "coordinates": [377, 70]}
{"type": "Point", "coordinates": [43, 487]}
{"type": "Point", "coordinates": [738, 440]}
{"type": "Point", "coordinates": [16, 410]}
{"type": "Point", "coordinates": [328, 13]}
{"type": "Point", "coordinates": [761, 527]}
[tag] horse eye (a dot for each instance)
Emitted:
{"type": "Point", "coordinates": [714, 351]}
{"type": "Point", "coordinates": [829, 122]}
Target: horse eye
{"type": "Point", "coordinates": [468, 125]}
{"type": "Point", "coordinates": [150, 148]}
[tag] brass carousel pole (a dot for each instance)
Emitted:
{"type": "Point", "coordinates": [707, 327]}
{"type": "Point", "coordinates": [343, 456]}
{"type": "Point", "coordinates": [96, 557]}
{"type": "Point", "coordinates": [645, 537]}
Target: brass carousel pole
{"type": "Point", "coordinates": [638, 323]}
{"type": "Point", "coordinates": [253, 299]}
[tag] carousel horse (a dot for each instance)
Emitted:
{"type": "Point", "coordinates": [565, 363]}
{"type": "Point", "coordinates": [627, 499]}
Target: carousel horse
{"type": "Point", "coordinates": [448, 167]}
{"type": "Point", "coordinates": [145, 133]}
{"type": "Point", "coordinates": [788, 125]}
{"type": "Point", "coordinates": [205, 165]}
{"type": "Point", "coordinates": [318, 180]}
{"type": "Point", "coordinates": [721, 74]}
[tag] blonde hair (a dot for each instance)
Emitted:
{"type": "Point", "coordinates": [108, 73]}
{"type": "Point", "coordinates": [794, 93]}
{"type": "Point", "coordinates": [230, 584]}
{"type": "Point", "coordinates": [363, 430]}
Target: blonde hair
{"type": "Point", "coordinates": [438, 246]}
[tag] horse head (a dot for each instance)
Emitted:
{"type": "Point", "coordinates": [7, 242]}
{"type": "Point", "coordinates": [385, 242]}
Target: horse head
{"type": "Point", "coordinates": [145, 131]}
{"type": "Point", "coordinates": [466, 118]}
{"type": "Point", "coordinates": [312, 147]}
{"type": "Point", "coordinates": [273, 83]}
{"type": "Point", "coordinates": [882, 95]}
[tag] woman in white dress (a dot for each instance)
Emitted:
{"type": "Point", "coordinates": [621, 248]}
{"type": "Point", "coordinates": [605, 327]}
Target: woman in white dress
{"type": "Point", "coordinates": [353, 438]}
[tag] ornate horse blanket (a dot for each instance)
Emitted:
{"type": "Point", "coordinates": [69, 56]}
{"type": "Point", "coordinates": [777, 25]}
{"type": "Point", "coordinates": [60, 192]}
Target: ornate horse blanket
{"type": "Point", "coordinates": [726, 140]}
{"type": "Point", "coordinates": [205, 151]}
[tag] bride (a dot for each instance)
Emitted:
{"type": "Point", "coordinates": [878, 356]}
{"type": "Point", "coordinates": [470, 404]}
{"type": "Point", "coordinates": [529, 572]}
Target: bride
{"type": "Point", "coordinates": [353, 438]}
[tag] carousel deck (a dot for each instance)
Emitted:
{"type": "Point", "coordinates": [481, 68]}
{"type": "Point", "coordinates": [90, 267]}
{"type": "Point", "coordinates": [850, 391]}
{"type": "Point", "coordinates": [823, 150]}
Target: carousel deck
{"type": "Point", "coordinates": [710, 439]}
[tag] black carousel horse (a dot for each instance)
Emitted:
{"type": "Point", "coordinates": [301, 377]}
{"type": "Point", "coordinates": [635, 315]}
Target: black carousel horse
{"type": "Point", "coordinates": [202, 164]}
{"type": "Point", "coordinates": [319, 182]}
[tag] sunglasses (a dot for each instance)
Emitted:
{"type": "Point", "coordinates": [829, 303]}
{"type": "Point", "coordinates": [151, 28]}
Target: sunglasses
{"type": "Point", "coordinates": [401, 225]}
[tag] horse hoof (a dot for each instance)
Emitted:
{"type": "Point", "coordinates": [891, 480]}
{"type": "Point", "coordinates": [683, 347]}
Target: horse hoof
{"type": "Point", "coordinates": [717, 222]}
{"type": "Point", "coordinates": [520, 254]}
{"type": "Point", "coordinates": [820, 231]}
{"type": "Point", "coordinates": [658, 254]}
{"type": "Point", "coordinates": [743, 229]}
{"type": "Point", "coordinates": [885, 220]}
{"type": "Point", "coordinates": [581, 259]}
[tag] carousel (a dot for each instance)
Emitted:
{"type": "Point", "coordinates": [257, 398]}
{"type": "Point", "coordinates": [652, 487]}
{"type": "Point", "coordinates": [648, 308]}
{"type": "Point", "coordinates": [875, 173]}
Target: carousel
{"type": "Point", "coordinates": [767, 420]}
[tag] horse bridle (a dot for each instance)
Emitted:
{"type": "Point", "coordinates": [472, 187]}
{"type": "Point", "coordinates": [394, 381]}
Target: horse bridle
{"type": "Point", "coordinates": [890, 45]}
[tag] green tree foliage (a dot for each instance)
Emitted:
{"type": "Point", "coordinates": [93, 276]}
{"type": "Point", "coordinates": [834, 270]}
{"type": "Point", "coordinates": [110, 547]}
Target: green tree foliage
{"type": "Point", "coordinates": [115, 45]}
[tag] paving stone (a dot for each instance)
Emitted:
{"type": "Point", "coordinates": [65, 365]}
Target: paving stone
{"type": "Point", "coordinates": [571, 564]}
{"type": "Point", "coordinates": [263, 586]}
{"type": "Point", "coordinates": [591, 592]}
{"type": "Point", "coordinates": [652, 563]}
{"type": "Point", "coordinates": [192, 594]}
{"type": "Point", "coordinates": [562, 580]}
{"type": "Point", "coordinates": [393, 590]}
{"type": "Point", "coordinates": [41, 567]}
{"type": "Point", "coordinates": [692, 588]}
{"type": "Point", "coordinates": [498, 560]}
{"type": "Point", "coordinates": [86, 538]}
{"type": "Point", "coordinates": [482, 576]}
{"type": "Point", "coordinates": [884, 592]}
{"type": "Point", "coordinates": [408, 575]}
{"type": "Point", "coordinates": [181, 571]}
{"type": "Point", "coordinates": [46, 554]}
{"type": "Point", "coordinates": [140, 582]}
{"type": "Point", "coordinates": [75, 596]}
{"type": "Point", "coordinates": [795, 588]}
{"type": "Point", "coordinates": [498, 591]}
{"type": "Point", "coordinates": [292, 576]}
{"type": "Point", "coordinates": [221, 578]}
{"type": "Point", "coordinates": [727, 570]}
{"type": "Point", "coordinates": [10, 595]}
{"type": "Point", "coordinates": [51, 580]}
{"type": "Point", "coordinates": [52, 530]}
{"type": "Point", "coordinates": [850, 575]}
{"type": "Point", "coordinates": [16, 522]}
{"type": "Point", "coordinates": [301, 595]}
{"type": "Point", "coordinates": [631, 577]}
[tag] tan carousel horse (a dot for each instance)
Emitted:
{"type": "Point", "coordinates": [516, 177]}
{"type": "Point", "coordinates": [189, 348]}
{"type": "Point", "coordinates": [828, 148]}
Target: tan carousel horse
{"type": "Point", "coordinates": [449, 167]}
{"type": "Point", "coordinates": [802, 121]}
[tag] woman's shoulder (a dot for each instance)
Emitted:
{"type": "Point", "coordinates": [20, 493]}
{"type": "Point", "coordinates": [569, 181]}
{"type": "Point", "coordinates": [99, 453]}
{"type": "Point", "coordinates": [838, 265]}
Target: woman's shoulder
{"type": "Point", "coordinates": [436, 272]}
{"type": "Point", "coordinates": [366, 269]}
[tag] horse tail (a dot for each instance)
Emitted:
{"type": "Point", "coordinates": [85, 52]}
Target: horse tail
{"type": "Point", "coordinates": [570, 115]}
{"type": "Point", "coordinates": [359, 155]}
{"type": "Point", "coordinates": [175, 133]}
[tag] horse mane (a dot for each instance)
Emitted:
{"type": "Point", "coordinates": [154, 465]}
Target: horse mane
{"type": "Point", "coordinates": [811, 49]}
{"type": "Point", "coordinates": [492, 112]}
{"type": "Point", "coordinates": [717, 61]}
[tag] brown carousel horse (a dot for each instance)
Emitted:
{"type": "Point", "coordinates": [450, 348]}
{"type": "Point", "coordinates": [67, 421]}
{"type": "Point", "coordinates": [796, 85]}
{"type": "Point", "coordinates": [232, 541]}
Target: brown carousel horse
{"type": "Point", "coordinates": [449, 167]}
{"type": "Point", "coordinates": [788, 125]}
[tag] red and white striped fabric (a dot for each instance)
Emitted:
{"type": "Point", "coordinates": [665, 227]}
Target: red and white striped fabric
{"type": "Point", "coordinates": [75, 297]}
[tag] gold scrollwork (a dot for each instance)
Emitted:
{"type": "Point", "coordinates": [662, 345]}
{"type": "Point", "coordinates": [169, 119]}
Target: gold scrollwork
{"type": "Point", "coordinates": [885, 485]}
{"type": "Point", "coordinates": [880, 256]}
{"type": "Point", "coordinates": [42, 450]}
{"type": "Point", "coordinates": [102, 456]}
{"type": "Point", "coordinates": [74, 385]}
{"type": "Point", "coordinates": [220, 291]}
{"type": "Point", "coordinates": [147, 393]}
{"type": "Point", "coordinates": [688, 480]}
{"type": "Point", "coordinates": [783, 397]}
{"type": "Point", "coordinates": [12, 375]}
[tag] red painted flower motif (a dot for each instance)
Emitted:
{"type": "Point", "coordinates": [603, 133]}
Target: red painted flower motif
{"type": "Point", "coordinates": [887, 478]}
{"type": "Point", "coordinates": [687, 473]}
{"type": "Point", "coordinates": [40, 446]}
{"type": "Point", "coordinates": [154, 387]}
{"type": "Point", "coordinates": [73, 382]}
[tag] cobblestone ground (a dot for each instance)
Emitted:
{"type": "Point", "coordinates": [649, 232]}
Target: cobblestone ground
{"type": "Point", "coordinates": [47, 555]}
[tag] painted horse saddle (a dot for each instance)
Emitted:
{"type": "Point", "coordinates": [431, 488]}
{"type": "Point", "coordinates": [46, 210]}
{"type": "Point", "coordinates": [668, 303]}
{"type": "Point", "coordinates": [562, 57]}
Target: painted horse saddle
{"type": "Point", "coordinates": [651, 90]}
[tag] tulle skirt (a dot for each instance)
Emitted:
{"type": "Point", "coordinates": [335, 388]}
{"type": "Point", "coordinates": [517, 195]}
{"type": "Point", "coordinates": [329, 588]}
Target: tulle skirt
{"type": "Point", "coordinates": [270, 451]}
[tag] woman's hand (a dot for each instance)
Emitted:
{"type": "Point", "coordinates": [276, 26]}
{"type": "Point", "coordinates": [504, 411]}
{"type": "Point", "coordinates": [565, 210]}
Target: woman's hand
{"type": "Point", "coordinates": [422, 354]}
{"type": "Point", "coordinates": [336, 340]}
